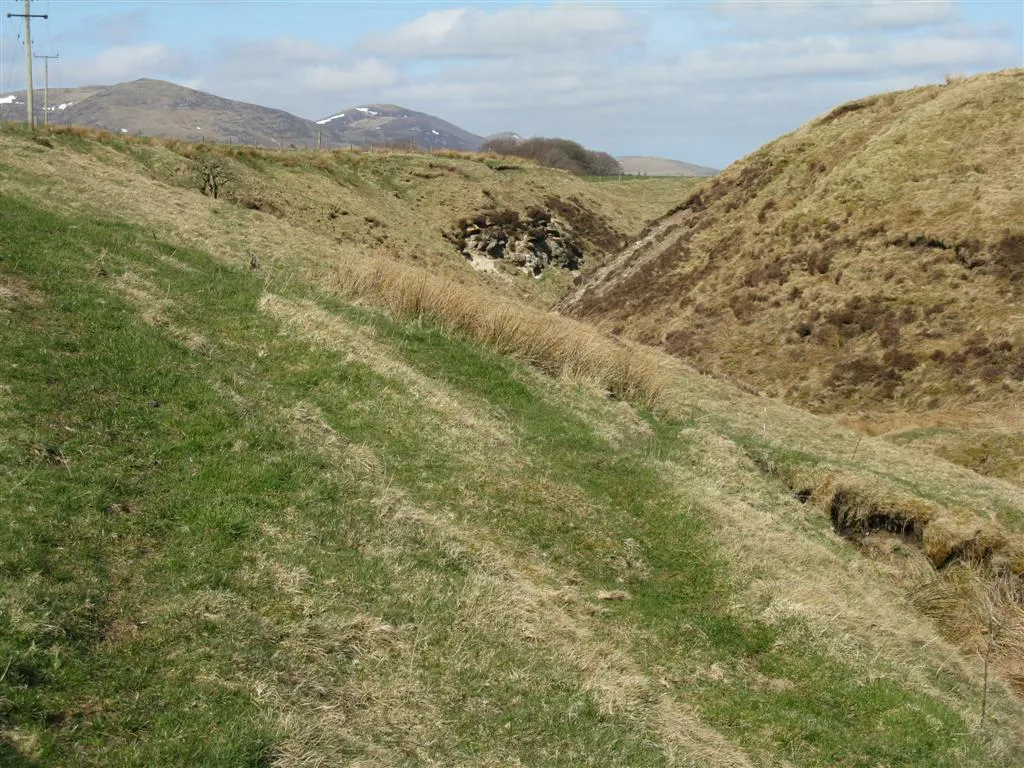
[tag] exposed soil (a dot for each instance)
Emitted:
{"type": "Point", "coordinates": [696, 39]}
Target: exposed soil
{"type": "Point", "coordinates": [563, 234]}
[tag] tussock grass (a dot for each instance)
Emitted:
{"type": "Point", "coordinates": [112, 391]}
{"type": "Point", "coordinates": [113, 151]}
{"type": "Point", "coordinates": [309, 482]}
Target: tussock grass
{"type": "Point", "coordinates": [857, 504]}
{"type": "Point", "coordinates": [981, 611]}
{"type": "Point", "coordinates": [556, 345]}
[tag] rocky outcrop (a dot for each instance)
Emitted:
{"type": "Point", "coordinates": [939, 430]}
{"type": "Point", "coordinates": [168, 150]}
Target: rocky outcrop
{"type": "Point", "coordinates": [533, 242]}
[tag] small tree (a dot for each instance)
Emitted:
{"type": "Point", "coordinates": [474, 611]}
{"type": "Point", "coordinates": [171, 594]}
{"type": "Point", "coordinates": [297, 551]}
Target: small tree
{"type": "Point", "coordinates": [211, 173]}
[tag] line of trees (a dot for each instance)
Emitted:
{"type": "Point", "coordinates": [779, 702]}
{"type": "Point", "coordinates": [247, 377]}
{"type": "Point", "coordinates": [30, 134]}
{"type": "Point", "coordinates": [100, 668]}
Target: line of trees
{"type": "Point", "coordinates": [558, 153]}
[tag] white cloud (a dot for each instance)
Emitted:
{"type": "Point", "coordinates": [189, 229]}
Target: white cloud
{"type": "Point", "coordinates": [768, 17]}
{"type": "Point", "coordinates": [127, 62]}
{"type": "Point", "coordinates": [524, 30]}
{"type": "Point", "coordinates": [370, 73]}
{"type": "Point", "coordinates": [886, 14]}
{"type": "Point", "coordinates": [294, 74]}
{"type": "Point", "coordinates": [719, 90]}
{"type": "Point", "coordinates": [832, 56]}
{"type": "Point", "coordinates": [716, 79]}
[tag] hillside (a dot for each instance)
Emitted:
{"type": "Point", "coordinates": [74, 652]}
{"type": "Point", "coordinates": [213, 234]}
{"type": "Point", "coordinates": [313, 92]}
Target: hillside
{"type": "Point", "coordinates": [376, 124]}
{"type": "Point", "coordinates": [872, 260]}
{"type": "Point", "coordinates": [662, 166]}
{"type": "Point", "coordinates": [158, 108]}
{"type": "Point", "coordinates": [471, 218]}
{"type": "Point", "coordinates": [273, 497]}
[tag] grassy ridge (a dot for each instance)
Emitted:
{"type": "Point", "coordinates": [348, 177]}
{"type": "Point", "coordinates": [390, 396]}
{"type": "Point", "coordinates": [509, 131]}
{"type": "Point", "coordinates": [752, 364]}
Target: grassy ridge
{"type": "Point", "coordinates": [857, 265]}
{"type": "Point", "coordinates": [248, 524]}
{"type": "Point", "coordinates": [396, 205]}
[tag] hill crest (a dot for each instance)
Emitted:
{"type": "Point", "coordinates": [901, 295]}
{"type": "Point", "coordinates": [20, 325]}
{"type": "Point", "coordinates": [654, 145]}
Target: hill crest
{"type": "Point", "coordinates": [390, 123]}
{"type": "Point", "coordinates": [874, 258]}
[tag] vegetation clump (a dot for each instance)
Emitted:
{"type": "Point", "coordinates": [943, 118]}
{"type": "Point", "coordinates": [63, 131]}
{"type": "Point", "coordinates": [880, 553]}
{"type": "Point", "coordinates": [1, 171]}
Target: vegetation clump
{"type": "Point", "coordinates": [557, 153]}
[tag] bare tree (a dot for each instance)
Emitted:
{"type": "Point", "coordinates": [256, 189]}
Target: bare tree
{"type": "Point", "coordinates": [211, 173]}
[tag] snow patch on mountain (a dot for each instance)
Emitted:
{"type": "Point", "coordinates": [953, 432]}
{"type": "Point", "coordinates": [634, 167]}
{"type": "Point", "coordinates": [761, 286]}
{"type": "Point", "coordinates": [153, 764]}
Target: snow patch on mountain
{"type": "Point", "coordinates": [326, 120]}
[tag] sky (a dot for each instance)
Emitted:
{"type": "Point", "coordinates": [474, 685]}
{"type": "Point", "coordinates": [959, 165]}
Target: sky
{"type": "Point", "coordinates": [704, 81]}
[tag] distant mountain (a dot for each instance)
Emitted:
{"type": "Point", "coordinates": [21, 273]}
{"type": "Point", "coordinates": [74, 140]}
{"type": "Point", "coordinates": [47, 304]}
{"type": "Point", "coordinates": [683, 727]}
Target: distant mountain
{"type": "Point", "coordinates": [375, 124]}
{"type": "Point", "coordinates": [662, 166]}
{"type": "Point", "coordinates": [158, 108]}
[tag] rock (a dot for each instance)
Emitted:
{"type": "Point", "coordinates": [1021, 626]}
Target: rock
{"type": "Point", "coordinates": [533, 243]}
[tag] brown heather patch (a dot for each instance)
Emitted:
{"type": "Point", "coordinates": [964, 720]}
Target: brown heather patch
{"type": "Point", "coordinates": [857, 263]}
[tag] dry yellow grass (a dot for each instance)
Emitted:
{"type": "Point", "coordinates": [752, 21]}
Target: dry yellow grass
{"type": "Point", "coordinates": [959, 569]}
{"type": "Point", "coordinates": [325, 329]}
{"type": "Point", "coordinates": [556, 345]}
{"type": "Point", "coordinates": [790, 574]}
{"type": "Point", "coordinates": [396, 204]}
{"type": "Point", "coordinates": [507, 594]}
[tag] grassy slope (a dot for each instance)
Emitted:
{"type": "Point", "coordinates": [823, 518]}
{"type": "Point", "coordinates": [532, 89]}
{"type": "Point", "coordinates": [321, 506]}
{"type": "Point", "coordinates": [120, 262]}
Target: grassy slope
{"type": "Point", "coordinates": [248, 523]}
{"type": "Point", "coordinates": [870, 261]}
{"type": "Point", "coordinates": [396, 205]}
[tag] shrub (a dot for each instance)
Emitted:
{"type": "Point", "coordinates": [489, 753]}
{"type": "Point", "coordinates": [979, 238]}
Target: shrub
{"type": "Point", "coordinates": [211, 172]}
{"type": "Point", "coordinates": [558, 153]}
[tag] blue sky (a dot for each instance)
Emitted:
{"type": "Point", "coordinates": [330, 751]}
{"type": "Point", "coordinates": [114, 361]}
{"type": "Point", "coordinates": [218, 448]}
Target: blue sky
{"type": "Point", "coordinates": [703, 81]}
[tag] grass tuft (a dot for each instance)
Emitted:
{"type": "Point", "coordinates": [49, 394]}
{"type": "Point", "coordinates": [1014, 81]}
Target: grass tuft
{"type": "Point", "coordinates": [554, 344]}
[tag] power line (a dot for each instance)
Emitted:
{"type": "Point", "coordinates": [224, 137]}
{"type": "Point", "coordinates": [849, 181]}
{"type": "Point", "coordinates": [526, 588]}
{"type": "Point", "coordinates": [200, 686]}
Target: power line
{"type": "Point", "coordinates": [28, 16]}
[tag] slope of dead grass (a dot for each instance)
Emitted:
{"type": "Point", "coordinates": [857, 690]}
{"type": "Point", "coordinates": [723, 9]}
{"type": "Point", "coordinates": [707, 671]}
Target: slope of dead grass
{"type": "Point", "coordinates": [868, 263]}
{"type": "Point", "coordinates": [555, 344]}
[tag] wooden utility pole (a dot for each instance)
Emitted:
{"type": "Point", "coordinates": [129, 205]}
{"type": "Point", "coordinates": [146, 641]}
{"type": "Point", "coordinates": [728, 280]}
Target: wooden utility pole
{"type": "Point", "coordinates": [28, 16]}
{"type": "Point", "coordinates": [46, 86]}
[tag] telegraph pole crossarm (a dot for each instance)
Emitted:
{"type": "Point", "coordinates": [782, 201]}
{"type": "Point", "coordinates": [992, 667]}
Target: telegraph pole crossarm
{"type": "Point", "coordinates": [28, 16]}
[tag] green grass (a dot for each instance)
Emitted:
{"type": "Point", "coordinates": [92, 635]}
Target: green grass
{"type": "Point", "coordinates": [187, 579]}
